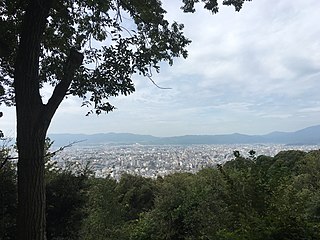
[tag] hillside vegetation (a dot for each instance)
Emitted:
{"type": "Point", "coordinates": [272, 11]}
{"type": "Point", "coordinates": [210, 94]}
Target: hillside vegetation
{"type": "Point", "coordinates": [255, 198]}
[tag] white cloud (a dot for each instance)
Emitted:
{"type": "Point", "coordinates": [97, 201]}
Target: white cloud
{"type": "Point", "coordinates": [252, 72]}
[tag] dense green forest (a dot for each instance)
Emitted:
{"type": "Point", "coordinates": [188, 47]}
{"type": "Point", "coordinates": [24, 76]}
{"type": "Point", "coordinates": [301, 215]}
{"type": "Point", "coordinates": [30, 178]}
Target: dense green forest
{"type": "Point", "coordinates": [246, 198]}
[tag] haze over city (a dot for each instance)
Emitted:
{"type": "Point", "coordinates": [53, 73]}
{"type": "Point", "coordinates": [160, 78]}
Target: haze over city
{"type": "Point", "coordinates": [252, 72]}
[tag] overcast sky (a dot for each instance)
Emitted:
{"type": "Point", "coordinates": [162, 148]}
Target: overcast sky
{"type": "Point", "coordinates": [252, 72]}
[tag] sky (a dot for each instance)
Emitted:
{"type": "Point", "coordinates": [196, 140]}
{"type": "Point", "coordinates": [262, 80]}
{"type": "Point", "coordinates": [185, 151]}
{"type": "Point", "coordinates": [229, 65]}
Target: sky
{"type": "Point", "coordinates": [253, 72]}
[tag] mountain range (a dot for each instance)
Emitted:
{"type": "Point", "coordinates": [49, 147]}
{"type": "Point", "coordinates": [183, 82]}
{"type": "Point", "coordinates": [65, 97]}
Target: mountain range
{"type": "Point", "coordinates": [309, 135]}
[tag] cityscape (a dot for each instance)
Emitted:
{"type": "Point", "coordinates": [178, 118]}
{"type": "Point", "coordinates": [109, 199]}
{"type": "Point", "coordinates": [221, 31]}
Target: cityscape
{"type": "Point", "coordinates": [160, 160]}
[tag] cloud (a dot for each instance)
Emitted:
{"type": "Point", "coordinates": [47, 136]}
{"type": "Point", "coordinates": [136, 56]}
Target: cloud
{"type": "Point", "coordinates": [253, 71]}
{"type": "Point", "coordinates": [260, 50]}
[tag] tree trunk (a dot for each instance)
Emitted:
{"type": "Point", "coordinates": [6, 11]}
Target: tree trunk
{"type": "Point", "coordinates": [32, 124]}
{"type": "Point", "coordinates": [31, 185]}
{"type": "Point", "coordinates": [33, 119]}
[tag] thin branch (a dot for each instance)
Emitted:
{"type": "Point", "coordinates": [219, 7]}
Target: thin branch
{"type": "Point", "coordinates": [131, 11]}
{"type": "Point", "coordinates": [164, 88]}
{"type": "Point", "coordinates": [4, 162]}
{"type": "Point", "coordinates": [51, 154]}
{"type": "Point", "coordinates": [149, 75]}
{"type": "Point", "coordinates": [118, 14]}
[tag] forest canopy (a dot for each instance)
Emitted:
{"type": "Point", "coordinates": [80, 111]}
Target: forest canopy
{"type": "Point", "coordinates": [263, 198]}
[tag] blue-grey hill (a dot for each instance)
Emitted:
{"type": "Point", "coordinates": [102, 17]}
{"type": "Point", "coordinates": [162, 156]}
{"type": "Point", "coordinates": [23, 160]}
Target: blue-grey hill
{"type": "Point", "coordinates": [309, 135]}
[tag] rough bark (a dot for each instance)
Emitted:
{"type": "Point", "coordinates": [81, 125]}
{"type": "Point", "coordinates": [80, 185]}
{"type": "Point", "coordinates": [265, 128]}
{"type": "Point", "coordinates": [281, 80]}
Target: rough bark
{"type": "Point", "coordinates": [33, 120]}
{"type": "Point", "coordinates": [4, 49]}
{"type": "Point", "coordinates": [31, 129]}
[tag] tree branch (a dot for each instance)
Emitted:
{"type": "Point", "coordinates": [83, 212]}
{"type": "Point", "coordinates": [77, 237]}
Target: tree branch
{"type": "Point", "coordinates": [73, 62]}
{"type": "Point", "coordinates": [149, 75]}
{"type": "Point", "coordinates": [4, 162]}
{"type": "Point", "coordinates": [51, 154]}
{"type": "Point", "coordinates": [154, 83]}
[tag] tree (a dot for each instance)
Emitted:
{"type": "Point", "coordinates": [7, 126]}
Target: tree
{"type": "Point", "coordinates": [58, 43]}
{"type": "Point", "coordinates": [65, 196]}
{"type": "Point", "coordinates": [136, 194]}
{"type": "Point", "coordinates": [8, 196]}
{"type": "Point", "coordinates": [105, 214]}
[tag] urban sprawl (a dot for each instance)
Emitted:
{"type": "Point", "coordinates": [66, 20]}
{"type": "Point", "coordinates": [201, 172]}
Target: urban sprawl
{"type": "Point", "coordinates": [153, 161]}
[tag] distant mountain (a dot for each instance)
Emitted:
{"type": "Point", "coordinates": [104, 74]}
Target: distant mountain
{"type": "Point", "coordinates": [211, 139]}
{"type": "Point", "coordinates": [101, 138]}
{"type": "Point", "coordinates": [310, 135]}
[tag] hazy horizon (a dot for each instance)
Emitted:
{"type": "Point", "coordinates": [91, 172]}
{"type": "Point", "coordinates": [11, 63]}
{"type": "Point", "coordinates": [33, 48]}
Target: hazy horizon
{"type": "Point", "coordinates": [275, 131]}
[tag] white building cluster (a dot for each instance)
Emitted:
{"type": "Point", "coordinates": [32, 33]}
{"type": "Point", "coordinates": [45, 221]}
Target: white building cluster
{"type": "Point", "coordinates": [160, 160]}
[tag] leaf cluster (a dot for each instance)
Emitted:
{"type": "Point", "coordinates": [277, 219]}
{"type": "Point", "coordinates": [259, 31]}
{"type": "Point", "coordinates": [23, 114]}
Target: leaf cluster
{"type": "Point", "coordinates": [117, 37]}
{"type": "Point", "coordinates": [211, 5]}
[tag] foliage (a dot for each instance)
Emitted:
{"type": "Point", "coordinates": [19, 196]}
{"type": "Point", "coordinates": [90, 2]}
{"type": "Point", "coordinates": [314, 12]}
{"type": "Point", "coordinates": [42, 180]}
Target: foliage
{"type": "Point", "coordinates": [66, 198]}
{"type": "Point", "coordinates": [136, 194]}
{"type": "Point", "coordinates": [117, 38]}
{"type": "Point", "coordinates": [128, 47]}
{"type": "Point", "coordinates": [1, 114]}
{"type": "Point", "coordinates": [8, 197]}
{"type": "Point", "coordinates": [187, 206]}
{"type": "Point", "coordinates": [262, 198]}
{"type": "Point", "coordinates": [105, 213]}
{"type": "Point", "coordinates": [247, 198]}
